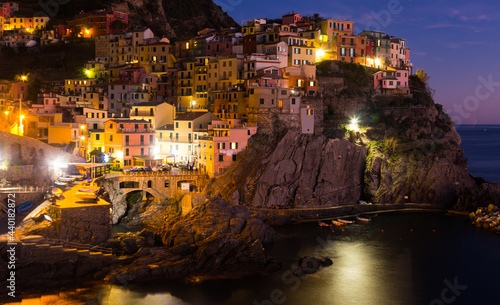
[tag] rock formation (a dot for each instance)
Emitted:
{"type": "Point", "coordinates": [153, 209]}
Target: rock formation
{"type": "Point", "coordinates": [216, 240]}
{"type": "Point", "coordinates": [175, 18]}
{"type": "Point", "coordinates": [406, 151]}
{"type": "Point", "coordinates": [301, 171]}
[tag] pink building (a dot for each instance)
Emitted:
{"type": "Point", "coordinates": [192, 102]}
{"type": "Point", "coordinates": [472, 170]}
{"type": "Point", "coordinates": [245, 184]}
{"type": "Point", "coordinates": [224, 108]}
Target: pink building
{"type": "Point", "coordinates": [391, 82]}
{"type": "Point", "coordinates": [131, 141]}
{"type": "Point", "coordinates": [292, 18]}
{"type": "Point", "coordinates": [5, 9]}
{"type": "Point", "coordinates": [219, 45]}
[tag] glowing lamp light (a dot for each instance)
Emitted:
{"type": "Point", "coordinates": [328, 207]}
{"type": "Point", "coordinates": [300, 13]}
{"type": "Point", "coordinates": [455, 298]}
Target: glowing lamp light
{"type": "Point", "coordinates": [377, 61]}
{"type": "Point", "coordinates": [106, 158]}
{"type": "Point", "coordinates": [119, 154]}
{"type": "Point", "coordinates": [24, 78]}
{"type": "Point", "coordinates": [6, 113]}
{"type": "Point", "coordinates": [87, 72]}
{"type": "Point", "coordinates": [3, 166]}
{"type": "Point", "coordinates": [354, 126]}
{"type": "Point", "coordinates": [82, 138]}
{"type": "Point", "coordinates": [87, 31]}
{"type": "Point", "coordinates": [320, 54]}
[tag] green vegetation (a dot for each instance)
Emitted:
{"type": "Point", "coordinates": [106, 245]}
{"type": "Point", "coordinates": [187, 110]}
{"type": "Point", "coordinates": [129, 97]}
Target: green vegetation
{"type": "Point", "coordinates": [52, 62]}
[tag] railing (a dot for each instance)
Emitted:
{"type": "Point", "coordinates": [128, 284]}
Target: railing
{"type": "Point", "coordinates": [169, 140]}
{"type": "Point", "coordinates": [25, 189]}
{"type": "Point", "coordinates": [135, 130]}
{"type": "Point", "coordinates": [155, 174]}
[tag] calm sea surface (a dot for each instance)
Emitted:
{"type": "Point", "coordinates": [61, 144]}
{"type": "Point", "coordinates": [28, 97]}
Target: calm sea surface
{"type": "Point", "coordinates": [481, 144]}
{"type": "Point", "coordinates": [398, 259]}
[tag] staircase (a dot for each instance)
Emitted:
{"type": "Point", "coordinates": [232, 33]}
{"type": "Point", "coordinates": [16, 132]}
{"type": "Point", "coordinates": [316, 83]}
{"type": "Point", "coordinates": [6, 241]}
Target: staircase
{"type": "Point", "coordinates": [48, 250]}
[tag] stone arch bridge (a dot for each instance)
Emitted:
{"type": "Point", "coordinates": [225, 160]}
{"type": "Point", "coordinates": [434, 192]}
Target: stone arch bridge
{"type": "Point", "coordinates": [162, 185]}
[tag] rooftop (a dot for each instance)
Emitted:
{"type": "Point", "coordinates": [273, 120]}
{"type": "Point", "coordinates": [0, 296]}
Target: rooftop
{"type": "Point", "coordinates": [190, 116]}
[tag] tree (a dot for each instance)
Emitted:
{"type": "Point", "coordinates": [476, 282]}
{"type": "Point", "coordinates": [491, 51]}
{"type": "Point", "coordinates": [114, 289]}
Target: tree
{"type": "Point", "coordinates": [99, 156]}
{"type": "Point", "coordinates": [424, 77]}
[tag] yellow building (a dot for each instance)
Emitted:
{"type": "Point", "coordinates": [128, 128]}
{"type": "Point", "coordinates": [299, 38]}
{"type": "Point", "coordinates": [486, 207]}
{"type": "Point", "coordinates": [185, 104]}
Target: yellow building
{"type": "Point", "coordinates": [179, 142]}
{"type": "Point", "coordinates": [97, 141]}
{"type": "Point", "coordinates": [185, 85]}
{"type": "Point", "coordinates": [157, 114]}
{"type": "Point", "coordinates": [68, 134]}
{"type": "Point", "coordinates": [224, 73]}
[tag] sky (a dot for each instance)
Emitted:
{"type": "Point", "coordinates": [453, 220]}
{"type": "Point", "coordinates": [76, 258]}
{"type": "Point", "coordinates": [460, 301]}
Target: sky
{"type": "Point", "coordinates": [455, 41]}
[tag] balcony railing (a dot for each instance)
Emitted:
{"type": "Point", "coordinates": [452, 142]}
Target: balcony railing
{"type": "Point", "coordinates": [135, 130]}
{"type": "Point", "coordinates": [174, 140]}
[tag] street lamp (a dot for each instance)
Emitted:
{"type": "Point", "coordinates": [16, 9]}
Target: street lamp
{"type": "Point", "coordinates": [354, 126]}
{"type": "Point", "coordinates": [192, 104]}
{"type": "Point", "coordinates": [21, 126]}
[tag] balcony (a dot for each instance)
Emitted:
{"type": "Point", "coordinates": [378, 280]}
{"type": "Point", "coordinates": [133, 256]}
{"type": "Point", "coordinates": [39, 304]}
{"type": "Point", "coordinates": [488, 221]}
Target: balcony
{"type": "Point", "coordinates": [135, 130]}
{"type": "Point", "coordinates": [174, 140]}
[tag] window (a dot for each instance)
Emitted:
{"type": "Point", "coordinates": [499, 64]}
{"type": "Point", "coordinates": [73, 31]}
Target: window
{"type": "Point", "coordinates": [111, 138]}
{"type": "Point", "coordinates": [234, 158]}
{"type": "Point", "coordinates": [221, 158]}
{"type": "Point", "coordinates": [189, 124]}
{"type": "Point", "coordinates": [150, 184]}
{"type": "Point", "coordinates": [262, 101]}
{"type": "Point", "coordinates": [97, 137]}
{"type": "Point", "coordinates": [127, 152]}
{"type": "Point", "coordinates": [176, 124]}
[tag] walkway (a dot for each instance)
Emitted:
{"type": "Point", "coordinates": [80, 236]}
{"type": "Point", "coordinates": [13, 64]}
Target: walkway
{"type": "Point", "coordinates": [315, 214]}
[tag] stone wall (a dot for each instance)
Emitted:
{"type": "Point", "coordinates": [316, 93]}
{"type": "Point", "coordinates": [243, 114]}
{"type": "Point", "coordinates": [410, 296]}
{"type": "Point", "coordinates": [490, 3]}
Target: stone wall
{"type": "Point", "coordinates": [22, 197]}
{"type": "Point", "coordinates": [90, 224]}
{"type": "Point", "coordinates": [189, 202]}
{"type": "Point", "coordinates": [28, 161]}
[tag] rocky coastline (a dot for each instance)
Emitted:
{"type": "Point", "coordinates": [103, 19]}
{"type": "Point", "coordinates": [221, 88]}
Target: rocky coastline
{"type": "Point", "coordinates": [487, 218]}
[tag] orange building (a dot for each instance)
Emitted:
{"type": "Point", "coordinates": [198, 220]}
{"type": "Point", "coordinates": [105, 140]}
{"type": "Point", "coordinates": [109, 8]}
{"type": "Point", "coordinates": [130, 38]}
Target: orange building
{"type": "Point", "coordinates": [130, 142]}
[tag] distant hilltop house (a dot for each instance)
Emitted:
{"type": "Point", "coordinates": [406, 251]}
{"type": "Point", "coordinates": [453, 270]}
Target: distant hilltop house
{"type": "Point", "coordinates": [392, 81]}
{"type": "Point", "coordinates": [95, 23]}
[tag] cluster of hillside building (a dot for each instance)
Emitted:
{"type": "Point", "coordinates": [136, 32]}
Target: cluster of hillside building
{"type": "Point", "coordinates": [144, 100]}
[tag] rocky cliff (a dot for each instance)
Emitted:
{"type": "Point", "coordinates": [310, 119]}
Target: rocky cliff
{"type": "Point", "coordinates": [170, 18]}
{"type": "Point", "coordinates": [300, 171]}
{"type": "Point", "coordinates": [175, 18]}
{"type": "Point", "coordinates": [407, 150]}
{"type": "Point", "coordinates": [216, 240]}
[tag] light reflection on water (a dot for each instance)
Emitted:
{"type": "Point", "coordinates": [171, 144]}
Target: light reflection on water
{"type": "Point", "coordinates": [398, 259]}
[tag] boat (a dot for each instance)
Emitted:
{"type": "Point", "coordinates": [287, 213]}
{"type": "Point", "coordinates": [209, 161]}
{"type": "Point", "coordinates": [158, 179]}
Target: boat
{"type": "Point", "coordinates": [61, 183]}
{"type": "Point", "coordinates": [338, 223]}
{"type": "Point", "coordinates": [347, 222]}
{"type": "Point", "coordinates": [66, 179]}
{"type": "Point", "coordinates": [77, 177]}
{"type": "Point", "coordinates": [24, 207]}
{"type": "Point", "coordinates": [86, 194]}
{"type": "Point", "coordinates": [363, 219]}
{"type": "Point", "coordinates": [323, 224]}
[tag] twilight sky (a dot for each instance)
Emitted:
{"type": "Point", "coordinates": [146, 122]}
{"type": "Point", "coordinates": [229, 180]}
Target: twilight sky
{"type": "Point", "coordinates": [455, 41]}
